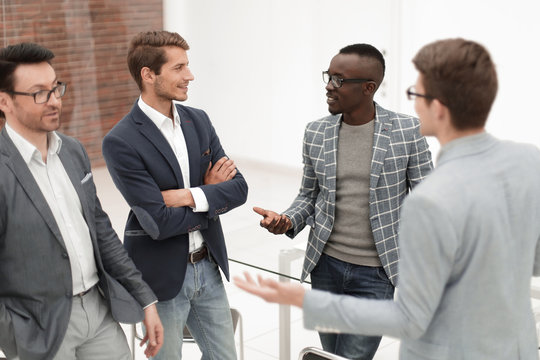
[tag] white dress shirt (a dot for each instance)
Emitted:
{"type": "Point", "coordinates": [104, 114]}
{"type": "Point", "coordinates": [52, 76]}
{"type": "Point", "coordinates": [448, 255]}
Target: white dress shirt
{"type": "Point", "coordinates": [172, 131]}
{"type": "Point", "coordinates": [56, 187]}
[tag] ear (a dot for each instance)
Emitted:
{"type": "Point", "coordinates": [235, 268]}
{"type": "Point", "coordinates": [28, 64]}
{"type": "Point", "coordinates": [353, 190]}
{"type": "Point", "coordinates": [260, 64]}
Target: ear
{"type": "Point", "coordinates": [441, 112]}
{"type": "Point", "coordinates": [5, 102]}
{"type": "Point", "coordinates": [370, 87]}
{"type": "Point", "coordinates": [147, 75]}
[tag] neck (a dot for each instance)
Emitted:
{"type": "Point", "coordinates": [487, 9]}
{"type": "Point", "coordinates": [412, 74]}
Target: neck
{"type": "Point", "coordinates": [37, 138]}
{"type": "Point", "coordinates": [361, 115]}
{"type": "Point", "coordinates": [164, 106]}
{"type": "Point", "coordinates": [454, 134]}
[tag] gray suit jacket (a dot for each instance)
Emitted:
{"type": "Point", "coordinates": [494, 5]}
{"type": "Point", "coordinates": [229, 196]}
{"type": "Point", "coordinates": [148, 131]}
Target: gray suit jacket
{"type": "Point", "coordinates": [400, 160]}
{"type": "Point", "coordinates": [469, 241]}
{"type": "Point", "coordinates": [35, 276]}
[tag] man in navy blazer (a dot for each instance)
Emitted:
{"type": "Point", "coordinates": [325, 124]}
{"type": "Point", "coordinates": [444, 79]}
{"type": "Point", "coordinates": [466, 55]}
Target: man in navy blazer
{"type": "Point", "coordinates": [168, 163]}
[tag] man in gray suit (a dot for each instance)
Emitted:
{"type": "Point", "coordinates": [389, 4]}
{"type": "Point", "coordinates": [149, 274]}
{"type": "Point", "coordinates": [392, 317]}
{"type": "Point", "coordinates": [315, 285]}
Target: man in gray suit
{"type": "Point", "coordinates": [359, 164]}
{"type": "Point", "coordinates": [469, 236]}
{"type": "Point", "coordinates": [65, 278]}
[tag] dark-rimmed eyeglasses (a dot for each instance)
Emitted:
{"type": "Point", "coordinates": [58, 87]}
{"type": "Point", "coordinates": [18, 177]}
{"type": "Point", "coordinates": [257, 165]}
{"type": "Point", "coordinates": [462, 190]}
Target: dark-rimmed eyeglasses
{"type": "Point", "coordinates": [43, 96]}
{"type": "Point", "coordinates": [337, 82]}
{"type": "Point", "coordinates": [412, 94]}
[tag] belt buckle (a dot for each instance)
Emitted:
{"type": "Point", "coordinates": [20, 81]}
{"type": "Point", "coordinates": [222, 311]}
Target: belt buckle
{"type": "Point", "coordinates": [191, 260]}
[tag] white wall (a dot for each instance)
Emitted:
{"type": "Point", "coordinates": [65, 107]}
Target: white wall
{"type": "Point", "coordinates": [258, 63]}
{"type": "Point", "coordinates": [510, 30]}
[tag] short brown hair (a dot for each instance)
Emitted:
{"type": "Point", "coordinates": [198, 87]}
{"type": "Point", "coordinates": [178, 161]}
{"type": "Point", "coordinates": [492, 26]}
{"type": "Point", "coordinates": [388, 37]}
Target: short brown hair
{"type": "Point", "coordinates": [461, 75]}
{"type": "Point", "coordinates": [146, 50]}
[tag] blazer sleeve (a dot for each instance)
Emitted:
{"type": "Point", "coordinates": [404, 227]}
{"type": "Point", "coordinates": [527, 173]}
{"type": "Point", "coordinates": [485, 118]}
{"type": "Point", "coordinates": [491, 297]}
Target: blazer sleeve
{"type": "Point", "coordinates": [419, 164]}
{"type": "Point", "coordinates": [143, 195]}
{"type": "Point", "coordinates": [303, 206]}
{"type": "Point", "coordinates": [421, 285]}
{"type": "Point", "coordinates": [7, 336]}
{"type": "Point", "coordinates": [226, 195]}
{"type": "Point", "coordinates": [114, 257]}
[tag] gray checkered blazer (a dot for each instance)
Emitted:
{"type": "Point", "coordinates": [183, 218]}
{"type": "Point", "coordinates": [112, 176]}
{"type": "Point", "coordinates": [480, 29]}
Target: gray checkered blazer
{"type": "Point", "coordinates": [401, 159]}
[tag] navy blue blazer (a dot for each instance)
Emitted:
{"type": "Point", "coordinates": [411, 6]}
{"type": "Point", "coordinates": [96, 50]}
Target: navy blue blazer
{"type": "Point", "coordinates": [142, 164]}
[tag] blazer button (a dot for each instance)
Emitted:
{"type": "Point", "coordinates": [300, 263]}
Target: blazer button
{"type": "Point", "coordinates": [69, 295]}
{"type": "Point", "coordinates": [65, 255]}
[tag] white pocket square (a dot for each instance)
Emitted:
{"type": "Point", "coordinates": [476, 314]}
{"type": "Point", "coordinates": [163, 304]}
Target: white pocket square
{"type": "Point", "coordinates": [86, 178]}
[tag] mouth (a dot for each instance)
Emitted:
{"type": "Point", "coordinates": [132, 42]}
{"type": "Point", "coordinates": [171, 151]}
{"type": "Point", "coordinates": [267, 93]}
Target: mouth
{"type": "Point", "coordinates": [330, 99]}
{"type": "Point", "coordinates": [52, 114]}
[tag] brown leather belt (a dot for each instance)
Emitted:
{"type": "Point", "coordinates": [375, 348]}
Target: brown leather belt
{"type": "Point", "coordinates": [198, 255]}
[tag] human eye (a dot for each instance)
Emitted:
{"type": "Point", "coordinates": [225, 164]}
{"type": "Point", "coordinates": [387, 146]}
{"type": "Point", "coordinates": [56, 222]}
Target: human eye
{"type": "Point", "coordinates": [41, 96]}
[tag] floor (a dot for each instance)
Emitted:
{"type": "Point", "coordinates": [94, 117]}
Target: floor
{"type": "Point", "coordinates": [270, 187]}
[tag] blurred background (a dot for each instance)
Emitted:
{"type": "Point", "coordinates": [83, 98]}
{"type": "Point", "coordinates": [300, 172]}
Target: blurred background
{"type": "Point", "coordinates": [258, 63]}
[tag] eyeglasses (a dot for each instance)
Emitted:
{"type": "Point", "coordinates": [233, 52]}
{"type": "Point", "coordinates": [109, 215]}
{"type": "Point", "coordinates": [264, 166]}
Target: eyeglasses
{"type": "Point", "coordinates": [411, 94]}
{"type": "Point", "coordinates": [338, 82]}
{"type": "Point", "coordinates": [43, 96]}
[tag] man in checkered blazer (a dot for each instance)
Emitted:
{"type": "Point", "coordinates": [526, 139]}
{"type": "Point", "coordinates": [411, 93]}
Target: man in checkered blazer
{"type": "Point", "coordinates": [359, 164]}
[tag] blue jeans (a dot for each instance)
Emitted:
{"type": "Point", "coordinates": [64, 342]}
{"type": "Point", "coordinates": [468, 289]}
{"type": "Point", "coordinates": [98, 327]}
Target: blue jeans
{"type": "Point", "coordinates": [202, 304]}
{"type": "Point", "coordinates": [340, 277]}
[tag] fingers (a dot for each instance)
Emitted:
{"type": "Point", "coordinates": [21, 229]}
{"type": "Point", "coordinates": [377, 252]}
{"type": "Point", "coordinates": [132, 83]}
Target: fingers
{"type": "Point", "coordinates": [224, 169]}
{"type": "Point", "coordinates": [259, 210]}
{"type": "Point", "coordinates": [208, 168]}
{"type": "Point", "coordinates": [246, 283]}
{"type": "Point", "coordinates": [220, 163]}
{"type": "Point", "coordinates": [279, 224]}
{"type": "Point", "coordinates": [144, 340]}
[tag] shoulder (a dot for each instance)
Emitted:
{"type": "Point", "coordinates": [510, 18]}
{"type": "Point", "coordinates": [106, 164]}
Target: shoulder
{"type": "Point", "coordinates": [399, 120]}
{"type": "Point", "coordinates": [125, 126]}
{"type": "Point", "coordinates": [323, 123]}
{"type": "Point", "coordinates": [70, 142]}
{"type": "Point", "coordinates": [194, 113]}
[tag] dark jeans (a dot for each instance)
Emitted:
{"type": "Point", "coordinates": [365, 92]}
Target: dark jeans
{"type": "Point", "coordinates": [340, 277]}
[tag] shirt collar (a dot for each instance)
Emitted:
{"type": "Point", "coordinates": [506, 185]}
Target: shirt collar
{"type": "Point", "coordinates": [28, 150]}
{"type": "Point", "coordinates": [158, 118]}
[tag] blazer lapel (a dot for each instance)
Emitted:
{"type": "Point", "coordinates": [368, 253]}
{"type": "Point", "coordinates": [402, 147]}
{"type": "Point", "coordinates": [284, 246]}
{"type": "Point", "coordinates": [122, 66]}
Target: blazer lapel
{"type": "Point", "coordinates": [381, 141]}
{"type": "Point", "coordinates": [192, 145]}
{"type": "Point", "coordinates": [331, 133]}
{"type": "Point", "coordinates": [149, 130]}
{"type": "Point", "coordinates": [73, 172]}
{"type": "Point", "coordinates": [18, 166]}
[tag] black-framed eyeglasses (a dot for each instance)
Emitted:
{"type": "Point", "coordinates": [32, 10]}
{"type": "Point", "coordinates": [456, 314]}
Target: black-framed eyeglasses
{"type": "Point", "coordinates": [43, 96]}
{"type": "Point", "coordinates": [337, 82]}
{"type": "Point", "coordinates": [412, 94]}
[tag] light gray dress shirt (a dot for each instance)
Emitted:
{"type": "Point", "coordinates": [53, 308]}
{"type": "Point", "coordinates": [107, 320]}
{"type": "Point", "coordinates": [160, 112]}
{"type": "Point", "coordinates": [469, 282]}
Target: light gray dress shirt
{"type": "Point", "coordinates": [54, 183]}
{"type": "Point", "coordinates": [469, 242]}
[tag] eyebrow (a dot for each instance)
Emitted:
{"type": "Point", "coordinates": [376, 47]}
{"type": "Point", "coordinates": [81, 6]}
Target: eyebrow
{"type": "Point", "coordinates": [39, 87]}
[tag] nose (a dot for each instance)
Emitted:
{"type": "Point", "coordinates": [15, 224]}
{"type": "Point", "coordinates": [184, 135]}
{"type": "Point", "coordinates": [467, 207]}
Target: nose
{"type": "Point", "coordinates": [329, 86]}
{"type": "Point", "coordinates": [53, 100]}
{"type": "Point", "coordinates": [189, 75]}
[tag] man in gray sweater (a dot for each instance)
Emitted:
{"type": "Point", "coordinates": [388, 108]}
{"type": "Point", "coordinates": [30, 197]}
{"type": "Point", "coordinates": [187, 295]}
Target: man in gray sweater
{"type": "Point", "coordinates": [359, 164]}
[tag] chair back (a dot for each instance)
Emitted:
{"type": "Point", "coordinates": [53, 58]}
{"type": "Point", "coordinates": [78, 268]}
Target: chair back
{"type": "Point", "coordinates": [313, 353]}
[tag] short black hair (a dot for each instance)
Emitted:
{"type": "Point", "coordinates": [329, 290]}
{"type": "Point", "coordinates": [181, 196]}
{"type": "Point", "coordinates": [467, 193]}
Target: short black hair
{"type": "Point", "coordinates": [365, 50]}
{"type": "Point", "coordinates": [15, 55]}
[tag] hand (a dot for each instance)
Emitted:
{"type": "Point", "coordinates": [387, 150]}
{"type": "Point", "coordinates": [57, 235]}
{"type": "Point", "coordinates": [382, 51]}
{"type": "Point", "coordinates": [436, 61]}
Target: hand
{"type": "Point", "coordinates": [223, 170]}
{"type": "Point", "coordinates": [178, 198]}
{"type": "Point", "coordinates": [273, 222]}
{"type": "Point", "coordinates": [271, 290]}
{"type": "Point", "coordinates": [154, 331]}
